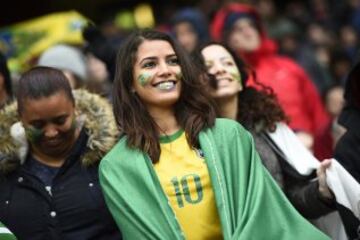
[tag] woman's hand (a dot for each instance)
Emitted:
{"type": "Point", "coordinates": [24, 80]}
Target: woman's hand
{"type": "Point", "coordinates": [324, 189]}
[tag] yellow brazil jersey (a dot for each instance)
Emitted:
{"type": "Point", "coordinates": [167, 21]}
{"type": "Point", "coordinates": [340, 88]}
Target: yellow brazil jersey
{"type": "Point", "coordinates": [185, 179]}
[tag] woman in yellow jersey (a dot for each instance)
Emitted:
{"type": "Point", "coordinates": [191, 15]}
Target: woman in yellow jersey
{"type": "Point", "coordinates": [178, 172]}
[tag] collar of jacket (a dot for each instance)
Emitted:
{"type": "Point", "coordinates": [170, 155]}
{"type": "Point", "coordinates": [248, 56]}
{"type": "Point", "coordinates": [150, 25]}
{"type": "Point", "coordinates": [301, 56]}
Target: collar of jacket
{"type": "Point", "coordinates": [99, 124]}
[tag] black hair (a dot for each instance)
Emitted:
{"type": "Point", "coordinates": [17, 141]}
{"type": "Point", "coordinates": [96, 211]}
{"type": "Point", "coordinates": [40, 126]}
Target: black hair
{"type": "Point", "coordinates": [40, 82]}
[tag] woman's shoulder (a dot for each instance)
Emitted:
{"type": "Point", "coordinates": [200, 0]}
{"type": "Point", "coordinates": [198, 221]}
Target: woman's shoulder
{"type": "Point", "coordinates": [121, 154]}
{"type": "Point", "coordinates": [227, 128]}
{"type": "Point", "coordinates": [119, 149]}
{"type": "Point", "coordinates": [227, 125]}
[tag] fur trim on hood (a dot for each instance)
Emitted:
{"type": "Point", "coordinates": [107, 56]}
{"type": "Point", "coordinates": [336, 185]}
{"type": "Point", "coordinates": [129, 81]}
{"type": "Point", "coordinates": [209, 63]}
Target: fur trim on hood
{"type": "Point", "coordinates": [98, 121]}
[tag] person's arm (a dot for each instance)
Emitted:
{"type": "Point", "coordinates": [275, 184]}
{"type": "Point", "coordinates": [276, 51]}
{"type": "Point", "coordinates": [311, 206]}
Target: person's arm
{"type": "Point", "coordinates": [312, 198]}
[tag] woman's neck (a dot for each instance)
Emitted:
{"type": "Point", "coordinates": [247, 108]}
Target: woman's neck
{"type": "Point", "coordinates": [48, 160]}
{"type": "Point", "coordinates": [165, 120]}
{"type": "Point", "coordinates": [228, 107]}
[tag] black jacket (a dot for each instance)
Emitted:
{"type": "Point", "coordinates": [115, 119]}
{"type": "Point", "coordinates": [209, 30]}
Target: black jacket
{"type": "Point", "coordinates": [347, 150]}
{"type": "Point", "coordinates": [301, 190]}
{"type": "Point", "coordinates": [74, 207]}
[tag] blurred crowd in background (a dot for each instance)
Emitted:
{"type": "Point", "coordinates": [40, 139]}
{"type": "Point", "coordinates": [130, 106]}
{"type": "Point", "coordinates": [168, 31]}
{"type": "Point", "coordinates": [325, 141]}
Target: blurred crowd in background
{"type": "Point", "coordinates": [300, 53]}
{"type": "Point", "coordinates": [321, 36]}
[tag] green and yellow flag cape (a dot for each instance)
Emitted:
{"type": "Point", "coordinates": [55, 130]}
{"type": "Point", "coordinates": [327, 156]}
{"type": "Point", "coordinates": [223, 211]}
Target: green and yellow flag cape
{"type": "Point", "coordinates": [24, 41]}
{"type": "Point", "coordinates": [249, 202]}
{"type": "Point", "coordinates": [5, 233]}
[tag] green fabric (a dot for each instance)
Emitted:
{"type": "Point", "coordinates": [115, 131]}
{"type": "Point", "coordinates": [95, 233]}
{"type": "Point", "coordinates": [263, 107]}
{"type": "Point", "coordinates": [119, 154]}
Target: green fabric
{"type": "Point", "coordinates": [171, 138]}
{"type": "Point", "coordinates": [5, 233]}
{"type": "Point", "coordinates": [250, 204]}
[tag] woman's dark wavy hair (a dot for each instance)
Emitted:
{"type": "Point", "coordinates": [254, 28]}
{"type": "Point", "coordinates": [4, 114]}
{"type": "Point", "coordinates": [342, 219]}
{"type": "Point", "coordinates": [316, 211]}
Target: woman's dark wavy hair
{"type": "Point", "coordinates": [258, 108]}
{"type": "Point", "coordinates": [193, 111]}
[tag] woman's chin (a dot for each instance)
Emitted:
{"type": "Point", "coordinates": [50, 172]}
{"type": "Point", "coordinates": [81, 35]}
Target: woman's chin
{"type": "Point", "coordinates": [225, 93]}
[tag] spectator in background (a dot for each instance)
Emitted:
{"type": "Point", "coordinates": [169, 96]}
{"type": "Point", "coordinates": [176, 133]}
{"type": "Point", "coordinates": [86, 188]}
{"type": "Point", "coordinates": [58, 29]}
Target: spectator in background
{"type": "Point", "coordinates": [178, 172]}
{"type": "Point", "coordinates": [349, 42]}
{"type": "Point", "coordinates": [98, 45]}
{"type": "Point", "coordinates": [239, 26]}
{"type": "Point", "coordinates": [5, 82]}
{"type": "Point", "coordinates": [190, 28]}
{"type": "Point", "coordinates": [51, 143]}
{"type": "Point", "coordinates": [340, 65]}
{"type": "Point", "coordinates": [70, 60]}
{"type": "Point", "coordinates": [315, 59]}
{"type": "Point", "coordinates": [259, 112]}
{"type": "Point", "coordinates": [347, 150]}
{"type": "Point", "coordinates": [98, 81]}
{"type": "Point", "coordinates": [326, 140]}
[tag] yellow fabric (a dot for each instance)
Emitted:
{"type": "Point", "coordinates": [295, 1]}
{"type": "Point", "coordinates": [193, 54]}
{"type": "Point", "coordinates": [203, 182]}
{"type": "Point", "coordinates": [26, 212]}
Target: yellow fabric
{"type": "Point", "coordinates": [24, 41]}
{"type": "Point", "coordinates": [181, 170]}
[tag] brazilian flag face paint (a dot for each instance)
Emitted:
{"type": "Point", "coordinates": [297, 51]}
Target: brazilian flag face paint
{"type": "Point", "coordinates": [144, 78]}
{"type": "Point", "coordinates": [74, 124]}
{"type": "Point", "coordinates": [179, 75]}
{"type": "Point", "coordinates": [33, 134]}
{"type": "Point", "coordinates": [235, 73]}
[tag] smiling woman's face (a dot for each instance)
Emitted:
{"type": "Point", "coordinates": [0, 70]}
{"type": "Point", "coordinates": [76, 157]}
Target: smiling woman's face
{"type": "Point", "coordinates": [222, 66]}
{"type": "Point", "coordinates": [157, 74]}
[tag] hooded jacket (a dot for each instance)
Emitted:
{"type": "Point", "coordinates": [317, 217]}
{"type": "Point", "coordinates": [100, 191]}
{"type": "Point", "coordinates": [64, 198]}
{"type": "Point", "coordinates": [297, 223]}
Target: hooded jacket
{"type": "Point", "coordinates": [196, 19]}
{"type": "Point", "coordinates": [347, 150]}
{"type": "Point", "coordinates": [249, 202]}
{"type": "Point", "coordinates": [74, 208]}
{"type": "Point", "coordinates": [296, 93]}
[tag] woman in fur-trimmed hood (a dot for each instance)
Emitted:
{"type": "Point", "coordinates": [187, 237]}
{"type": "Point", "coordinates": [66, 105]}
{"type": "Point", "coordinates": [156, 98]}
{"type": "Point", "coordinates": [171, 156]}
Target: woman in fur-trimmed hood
{"type": "Point", "coordinates": [51, 142]}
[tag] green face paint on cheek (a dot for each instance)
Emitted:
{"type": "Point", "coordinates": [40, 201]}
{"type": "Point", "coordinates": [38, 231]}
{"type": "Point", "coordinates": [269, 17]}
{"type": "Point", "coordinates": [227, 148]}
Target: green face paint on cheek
{"type": "Point", "coordinates": [235, 74]}
{"type": "Point", "coordinates": [73, 123]}
{"type": "Point", "coordinates": [33, 134]}
{"type": "Point", "coordinates": [144, 78]}
{"type": "Point", "coordinates": [179, 75]}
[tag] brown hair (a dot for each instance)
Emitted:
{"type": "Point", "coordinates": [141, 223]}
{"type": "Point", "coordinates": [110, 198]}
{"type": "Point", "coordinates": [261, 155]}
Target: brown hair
{"type": "Point", "coordinates": [193, 111]}
{"type": "Point", "coordinates": [258, 109]}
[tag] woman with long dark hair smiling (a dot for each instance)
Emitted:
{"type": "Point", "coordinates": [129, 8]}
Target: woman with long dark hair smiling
{"type": "Point", "coordinates": [259, 112]}
{"type": "Point", "coordinates": [178, 172]}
